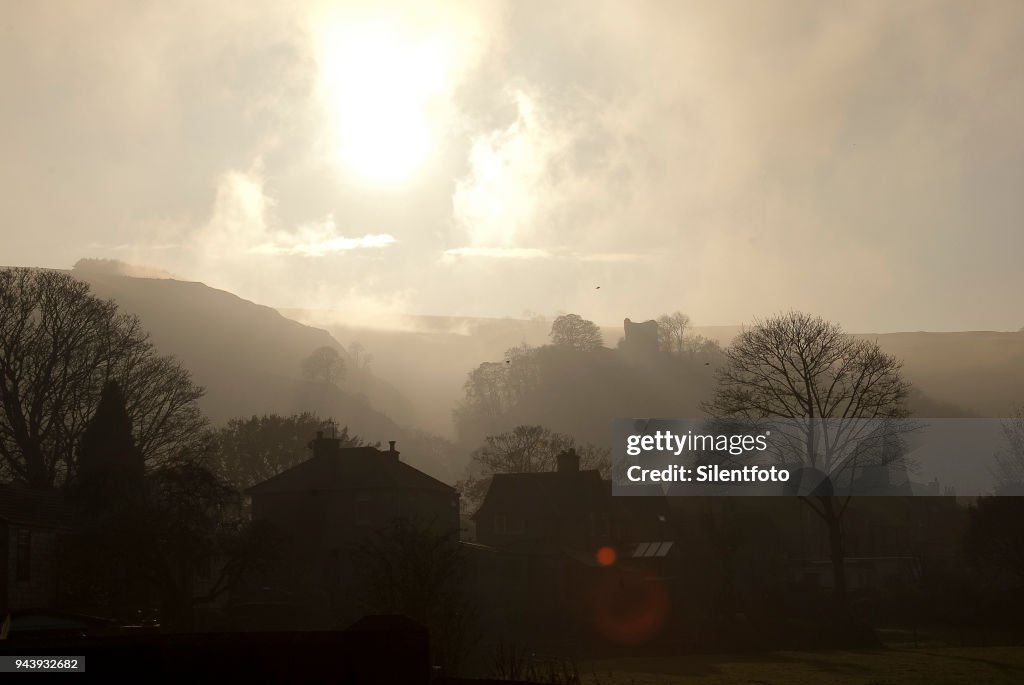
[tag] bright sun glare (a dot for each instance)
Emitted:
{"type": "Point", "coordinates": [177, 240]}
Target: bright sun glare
{"type": "Point", "coordinates": [379, 86]}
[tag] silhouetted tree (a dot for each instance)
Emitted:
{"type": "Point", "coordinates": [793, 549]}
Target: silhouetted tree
{"type": "Point", "coordinates": [324, 365]}
{"type": "Point", "coordinates": [524, 449]}
{"type": "Point", "coordinates": [110, 465]}
{"type": "Point", "coordinates": [672, 332]}
{"type": "Point", "coordinates": [194, 519]}
{"type": "Point", "coordinates": [184, 542]}
{"type": "Point", "coordinates": [361, 359]}
{"type": "Point", "coordinates": [249, 451]}
{"type": "Point", "coordinates": [676, 338]}
{"type": "Point", "coordinates": [411, 570]}
{"type": "Point", "coordinates": [575, 332]}
{"type": "Point", "coordinates": [487, 400]}
{"type": "Point", "coordinates": [1010, 463]}
{"type": "Point", "coordinates": [578, 393]}
{"type": "Point", "coordinates": [522, 372]}
{"type": "Point", "coordinates": [702, 348]}
{"type": "Point", "coordinates": [59, 346]}
{"type": "Point", "coordinates": [495, 388]}
{"type": "Point", "coordinates": [797, 366]}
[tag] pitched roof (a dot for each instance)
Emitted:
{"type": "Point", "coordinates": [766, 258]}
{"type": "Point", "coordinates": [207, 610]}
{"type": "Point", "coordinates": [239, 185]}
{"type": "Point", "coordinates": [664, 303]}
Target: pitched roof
{"type": "Point", "coordinates": [353, 468]}
{"type": "Point", "coordinates": [550, 490]}
{"type": "Point", "coordinates": [20, 504]}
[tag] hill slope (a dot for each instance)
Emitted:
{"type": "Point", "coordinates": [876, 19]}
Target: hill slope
{"type": "Point", "coordinates": [248, 356]}
{"type": "Point", "coordinates": [955, 374]}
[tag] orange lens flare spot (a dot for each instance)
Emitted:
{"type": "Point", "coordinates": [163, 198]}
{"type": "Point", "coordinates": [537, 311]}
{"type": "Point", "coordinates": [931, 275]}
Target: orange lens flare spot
{"type": "Point", "coordinates": [606, 556]}
{"type": "Point", "coordinates": [630, 609]}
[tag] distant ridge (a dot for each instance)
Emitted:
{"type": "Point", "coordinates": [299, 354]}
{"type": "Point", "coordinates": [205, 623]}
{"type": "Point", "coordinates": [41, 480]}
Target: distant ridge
{"type": "Point", "coordinates": [247, 356]}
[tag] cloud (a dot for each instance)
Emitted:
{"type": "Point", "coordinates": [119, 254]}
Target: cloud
{"type": "Point", "coordinates": [725, 159]}
{"type": "Point", "coordinates": [241, 224]}
{"type": "Point", "coordinates": [452, 254]}
{"type": "Point", "coordinates": [242, 247]}
{"type": "Point", "coordinates": [498, 253]}
{"type": "Point", "coordinates": [614, 257]}
{"type": "Point", "coordinates": [366, 304]}
{"type": "Point", "coordinates": [319, 240]}
{"type": "Point", "coordinates": [499, 201]}
{"type": "Point", "coordinates": [114, 267]}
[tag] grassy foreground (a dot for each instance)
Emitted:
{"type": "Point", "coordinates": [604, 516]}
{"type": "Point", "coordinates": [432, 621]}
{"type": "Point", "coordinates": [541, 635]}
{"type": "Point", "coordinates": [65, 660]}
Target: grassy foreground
{"type": "Point", "coordinates": [887, 666]}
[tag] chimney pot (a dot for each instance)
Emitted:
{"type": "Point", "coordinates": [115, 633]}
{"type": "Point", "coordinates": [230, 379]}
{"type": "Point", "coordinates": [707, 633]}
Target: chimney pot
{"type": "Point", "coordinates": [325, 447]}
{"type": "Point", "coordinates": [568, 461]}
{"type": "Point", "coordinates": [391, 445]}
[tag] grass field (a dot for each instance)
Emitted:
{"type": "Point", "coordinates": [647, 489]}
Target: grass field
{"type": "Point", "coordinates": [887, 666]}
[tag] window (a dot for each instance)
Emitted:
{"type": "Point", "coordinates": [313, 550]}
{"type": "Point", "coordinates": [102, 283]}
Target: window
{"type": "Point", "coordinates": [23, 556]}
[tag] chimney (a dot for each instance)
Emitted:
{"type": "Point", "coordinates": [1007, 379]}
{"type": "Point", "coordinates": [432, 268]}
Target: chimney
{"type": "Point", "coordinates": [568, 461]}
{"type": "Point", "coordinates": [323, 447]}
{"type": "Point", "coordinates": [392, 452]}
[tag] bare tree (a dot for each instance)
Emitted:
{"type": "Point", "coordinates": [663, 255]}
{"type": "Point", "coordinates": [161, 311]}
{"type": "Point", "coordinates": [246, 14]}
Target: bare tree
{"type": "Point", "coordinates": [675, 337]}
{"type": "Point", "coordinates": [486, 401]}
{"type": "Point", "coordinates": [843, 398]}
{"type": "Point", "coordinates": [361, 359]}
{"type": "Point", "coordinates": [522, 372]}
{"type": "Point", "coordinates": [1010, 464]}
{"type": "Point", "coordinates": [410, 569]}
{"type": "Point", "coordinates": [249, 451]}
{"type": "Point", "coordinates": [524, 449]}
{"type": "Point", "coordinates": [59, 346]}
{"type": "Point", "coordinates": [324, 365]}
{"type": "Point", "coordinates": [672, 332]}
{"type": "Point", "coordinates": [575, 332]}
{"type": "Point", "coordinates": [155, 548]}
{"type": "Point", "coordinates": [493, 389]}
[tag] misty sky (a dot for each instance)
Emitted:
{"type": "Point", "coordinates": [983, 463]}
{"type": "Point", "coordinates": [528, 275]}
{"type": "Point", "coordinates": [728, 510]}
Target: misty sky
{"type": "Point", "coordinates": [859, 160]}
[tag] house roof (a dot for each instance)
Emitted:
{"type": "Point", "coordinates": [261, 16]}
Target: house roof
{"type": "Point", "coordinates": [353, 468]}
{"type": "Point", "coordinates": [552, 490]}
{"type": "Point", "coordinates": [27, 506]}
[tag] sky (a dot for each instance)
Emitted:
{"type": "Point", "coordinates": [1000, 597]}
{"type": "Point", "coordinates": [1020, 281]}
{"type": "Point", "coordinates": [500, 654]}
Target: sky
{"type": "Point", "coordinates": [858, 160]}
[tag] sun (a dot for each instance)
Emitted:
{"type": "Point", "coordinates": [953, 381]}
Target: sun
{"type": "Point", "coordinates": [379, 85]}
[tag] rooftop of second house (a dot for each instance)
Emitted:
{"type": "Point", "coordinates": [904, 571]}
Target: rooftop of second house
{"type": "Point", "coordinates": [567, 490]}
{"type": "Point", "coordinates": [547, 489]}
{"type": "Point", "coordinates": [333, 468]}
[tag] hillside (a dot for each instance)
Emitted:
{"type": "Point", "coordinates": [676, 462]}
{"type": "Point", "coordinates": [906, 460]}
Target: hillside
{"type": "Point", "coordinates": [248, 356]}
{"type": "Point", "coordinates": [955, 374]}
{"type": "Point", "coordinates": [982, 371]}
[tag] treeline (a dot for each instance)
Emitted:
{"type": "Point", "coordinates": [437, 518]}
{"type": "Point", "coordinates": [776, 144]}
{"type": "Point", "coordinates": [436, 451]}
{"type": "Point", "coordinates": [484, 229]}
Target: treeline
{"type": "Point", "coordinates": [576, 385]}
{"type": "Point", "coordinates": [794, 366]}
{"type": "Point", "coordinates": [153, 492]}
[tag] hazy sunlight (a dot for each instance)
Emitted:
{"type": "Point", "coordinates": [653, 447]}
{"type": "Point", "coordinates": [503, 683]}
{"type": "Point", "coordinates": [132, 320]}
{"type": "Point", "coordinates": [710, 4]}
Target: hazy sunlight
{"type": "Point", "coordinates": [378, 84]}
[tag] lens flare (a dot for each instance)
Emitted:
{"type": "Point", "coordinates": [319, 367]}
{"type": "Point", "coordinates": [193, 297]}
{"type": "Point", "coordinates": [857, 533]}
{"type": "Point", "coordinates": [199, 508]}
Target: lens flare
{"type": "Point", "coordinates": [629, 609]}
{"type": "Point", "coordinates": [606, 556]}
